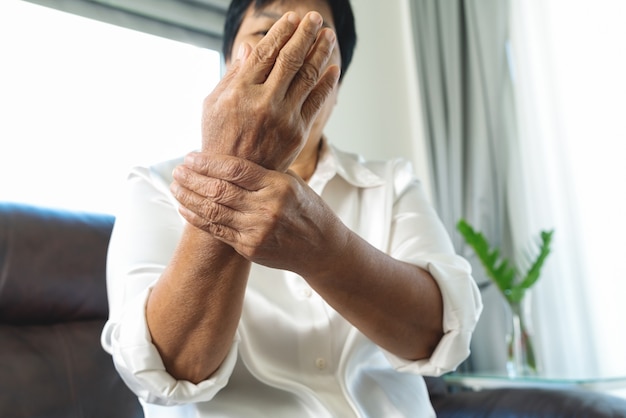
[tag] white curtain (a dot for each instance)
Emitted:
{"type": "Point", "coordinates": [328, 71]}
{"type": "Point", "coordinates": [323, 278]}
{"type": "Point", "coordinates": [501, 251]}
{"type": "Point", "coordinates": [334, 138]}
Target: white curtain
{"type": "Point", "coordinates": [569, 85]}
{"type": "Point", "coordinates": [548, 158]}
{"type": "Point", "coordinates": [466, 88]}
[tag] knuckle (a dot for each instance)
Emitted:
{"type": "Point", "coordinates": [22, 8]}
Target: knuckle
{"type": "Point", "coordinates": [216, 190]}
{"type": "Point", "coordinates": [289, 61]}
{"type": "Point", "coordinates": [264, 53]}
{"type": "Point", "coordinates": [212, 211]}
{"type": "Point", "coordinates": [235, 168]}
{"type": "Point", "coordinates": [217, 230]}
{"type": "Point", "coordinates": [316, 99]}
{"type": "Point", "coordinates": [314, 103]}
{"type": "Point", "coordinates": [308, 74]}
{"type": "Point", "coordinates": [264, 109]}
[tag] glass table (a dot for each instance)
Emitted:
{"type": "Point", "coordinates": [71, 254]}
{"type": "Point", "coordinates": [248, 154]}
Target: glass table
{"type": "Point", "coordinates": [478, 381]}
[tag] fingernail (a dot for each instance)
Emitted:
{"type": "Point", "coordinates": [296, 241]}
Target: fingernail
{"type": "Point", "coordinates": [316, 18]}
{"type": "Point", "coordinates": [176, 172]}
{"type": "Point", "coordinates": [330, 36]}
{"type": "Point", "coordinates": [174, 188]}
{"type": "Point", "coordinates": [241, 52]}
{"type": "Point", "coordinates": [292, 18]}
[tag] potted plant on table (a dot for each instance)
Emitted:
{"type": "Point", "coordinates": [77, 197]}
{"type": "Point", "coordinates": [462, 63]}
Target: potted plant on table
{"type": "Point", "coordinates": [513, 287]}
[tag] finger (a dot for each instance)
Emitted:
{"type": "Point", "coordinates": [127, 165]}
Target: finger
{"type": "Point", "coordinates": [294, 54]}
{"type": "Point", "coordinates": [318, 96]}
{"type": "Point", "coordinates": [209, 211]}
{"type": "Point", "coordinates": [243, 53]}
{"type": "Point", "coordinates": [263, 56]}
{"type": "Point", "coordinates": [313, 67]}
{"type": "Point", "coordinates": [189, 211]}
{"type": "Point", "coordinates": [215, 189]}
{"type": "Point", "coordinates": [193, 218]}
{"type": "Point", "coordinates": [223, 233]}
{"type": "Point", "coordinates": [238, 171]}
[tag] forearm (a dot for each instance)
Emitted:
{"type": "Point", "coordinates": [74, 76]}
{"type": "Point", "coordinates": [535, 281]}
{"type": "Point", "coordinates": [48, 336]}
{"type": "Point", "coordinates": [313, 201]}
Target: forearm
{"type": "Point", "coordinates": [395, 304]}
{"type": "Point", "coordinates": [193, 310]}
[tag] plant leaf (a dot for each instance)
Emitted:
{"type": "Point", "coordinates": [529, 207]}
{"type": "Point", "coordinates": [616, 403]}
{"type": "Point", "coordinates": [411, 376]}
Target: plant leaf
{"type": "Point", "coordinates": [533, 272]}
{"type": "Point", "coordinates": [498, 270]}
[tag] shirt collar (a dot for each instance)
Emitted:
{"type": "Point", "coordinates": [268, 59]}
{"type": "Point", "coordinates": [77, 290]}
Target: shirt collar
{"type": "Point", "coordinates": [348, 166]}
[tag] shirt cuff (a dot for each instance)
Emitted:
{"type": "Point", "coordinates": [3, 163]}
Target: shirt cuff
{"type": "Point", "coordinates": [139, 363]}
{"type": "Point", "coordinates": [462, 306]}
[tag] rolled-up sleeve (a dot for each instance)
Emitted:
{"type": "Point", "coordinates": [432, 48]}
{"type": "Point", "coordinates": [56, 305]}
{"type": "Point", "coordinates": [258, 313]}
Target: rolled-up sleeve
{"type": "Point", "coordinates": [144, 236]}
{"type": "Point", "coordinates": [140, 366]}
{"type": "Point", "coordinates": [419, 237]}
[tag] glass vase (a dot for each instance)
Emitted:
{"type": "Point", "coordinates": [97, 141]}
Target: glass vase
{"type": "Point", "coordinates": [521, 360]}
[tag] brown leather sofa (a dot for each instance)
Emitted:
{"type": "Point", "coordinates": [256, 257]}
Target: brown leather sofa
{"type": "Point", "coordinates": [53, 305]}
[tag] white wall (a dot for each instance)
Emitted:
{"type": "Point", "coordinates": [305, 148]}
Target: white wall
{"type": "Point", "coordinates": [378, 114]}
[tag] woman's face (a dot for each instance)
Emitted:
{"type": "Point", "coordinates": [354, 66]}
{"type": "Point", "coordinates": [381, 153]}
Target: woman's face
{"type": "Point", "coordinates": [255, 25]}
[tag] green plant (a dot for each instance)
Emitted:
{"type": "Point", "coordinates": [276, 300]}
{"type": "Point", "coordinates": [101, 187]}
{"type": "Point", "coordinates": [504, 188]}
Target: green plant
{"type": "Point", "coordinates": [502, 271]}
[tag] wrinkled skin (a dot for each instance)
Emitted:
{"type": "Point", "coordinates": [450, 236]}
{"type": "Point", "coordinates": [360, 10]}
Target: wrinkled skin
{"type": "Point", "coordinates": [265, 106]}
{"type": "Point", "coordinates": [265, 111]}
{"type": "Point", "coordinates": [270, 218]}
{"type": "Point", "coordinates": [246, 199]}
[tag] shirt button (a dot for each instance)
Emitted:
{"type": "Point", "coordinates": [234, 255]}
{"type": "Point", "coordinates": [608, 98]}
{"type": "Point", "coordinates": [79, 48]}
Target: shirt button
{"type": "Point", "coordinates": [306, 292]}
{"type": "Point", "coordinates": [320, 363]}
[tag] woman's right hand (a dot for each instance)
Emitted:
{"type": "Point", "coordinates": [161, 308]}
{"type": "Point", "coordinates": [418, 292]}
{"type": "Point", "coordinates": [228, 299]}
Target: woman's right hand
{"type": "Point", "coordinates": [264, 107]}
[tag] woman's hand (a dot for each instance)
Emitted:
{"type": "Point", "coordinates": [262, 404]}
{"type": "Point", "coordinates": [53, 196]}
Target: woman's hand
{"type": "Point", "coordinates": [264, 107]}
{"type": "Point", "coordinates": [276, 220]}
{"type": "Point", "coordinates": [268, 217]}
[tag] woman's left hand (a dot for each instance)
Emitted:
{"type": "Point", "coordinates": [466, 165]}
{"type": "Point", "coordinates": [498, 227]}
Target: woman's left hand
{"type": "Point", "coordinates": [270, 218]}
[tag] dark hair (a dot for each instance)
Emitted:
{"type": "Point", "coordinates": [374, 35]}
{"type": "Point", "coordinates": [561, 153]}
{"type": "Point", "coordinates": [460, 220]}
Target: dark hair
{"type": "Point", "coordinates": [342, 15]}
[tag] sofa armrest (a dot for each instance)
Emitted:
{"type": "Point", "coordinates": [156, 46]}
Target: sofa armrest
{"type": "Point", "coordinates": [53, 306]}
{"type": "Point", "coordinates": [52, 265]}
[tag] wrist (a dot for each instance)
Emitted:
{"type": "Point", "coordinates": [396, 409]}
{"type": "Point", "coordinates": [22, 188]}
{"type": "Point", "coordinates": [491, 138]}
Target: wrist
{"type": "Point", "coordinates": [335, 256]}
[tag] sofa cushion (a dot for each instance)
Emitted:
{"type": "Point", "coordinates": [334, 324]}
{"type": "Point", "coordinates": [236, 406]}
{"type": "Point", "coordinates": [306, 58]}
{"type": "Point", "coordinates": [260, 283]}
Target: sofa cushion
{"type": "Point", "coordinates": [60, 371]}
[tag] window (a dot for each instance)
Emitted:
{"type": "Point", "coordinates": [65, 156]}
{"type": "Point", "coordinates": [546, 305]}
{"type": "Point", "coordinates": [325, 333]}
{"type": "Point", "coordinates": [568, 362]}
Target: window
{"type": "Point", "coordinates": [592, 88]}
{"type": "Point", "coordinates": [572, 88]}
{"type": "Point", "coordinates": [81, 102]}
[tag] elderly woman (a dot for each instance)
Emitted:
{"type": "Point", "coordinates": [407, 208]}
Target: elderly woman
{"type": "Point", "coordinates": [270, 274]}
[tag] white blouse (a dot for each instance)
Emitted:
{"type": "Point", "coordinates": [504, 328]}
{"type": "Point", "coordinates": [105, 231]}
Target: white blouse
{"type": "Point", "coordinates": [293, 354]}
